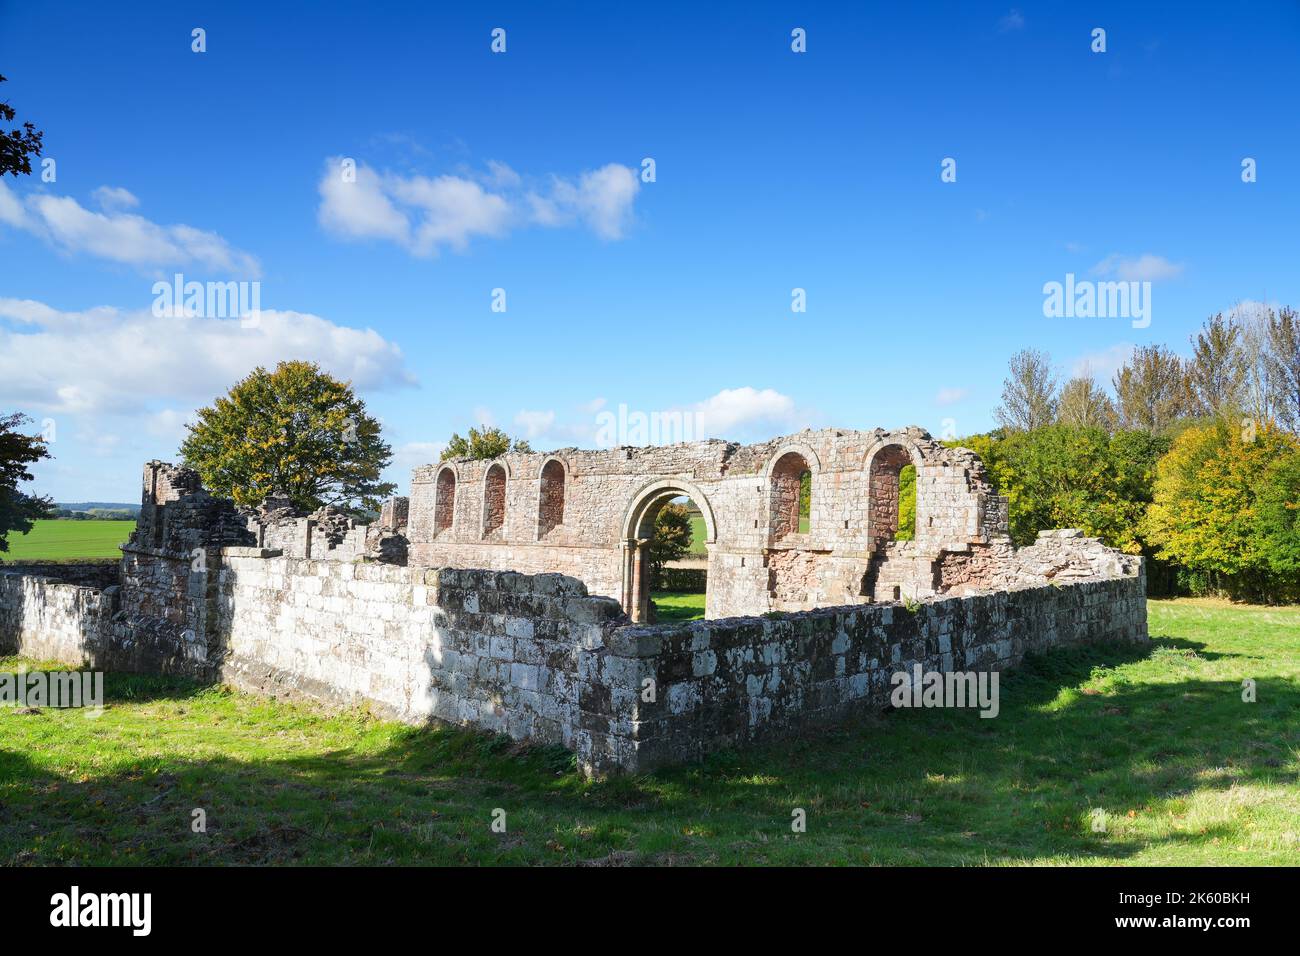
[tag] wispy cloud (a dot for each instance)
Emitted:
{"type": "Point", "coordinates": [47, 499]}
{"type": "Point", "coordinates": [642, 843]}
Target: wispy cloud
{"type": "Point", "coordinates": [950, 396]}
{"type": "Point", "coordinates": [1014, 20]}
{"type": "Point", "coordinates": [117, 236]}
{"type": "Point", "coordinates": [425, 214]}
{"type": "Point", "coordinates": [1143, 268]}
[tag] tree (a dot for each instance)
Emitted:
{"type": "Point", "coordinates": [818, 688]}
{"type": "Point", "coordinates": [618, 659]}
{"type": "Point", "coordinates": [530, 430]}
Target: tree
{"type": "Point", "coordinates": [1067, 477]}
{"type": "Point", "coordinates": [672, 538]}
{"type": "Point", "coordinates": [1029, 393]}
{"type": "Point", "coordinates": [1282, 360]}
{"type": "Point", "coordinates": [296, 432]}
{"type": "Point", "coordinates": [1218, 370]}
{"type": "Point", "coordinates": [17, 451]}
{"type": "Point", "coordinates": [1083, 404]}
{"type": "Point", "coordinates": [1279, 521]}
{"type": "Point", "coordinates": [1210, 510]}
{"type": "Point", "coordinates": [17, 146]}
{"type": "Point", "coordinates": [1151, 390]}
{"type": "Point", "coordinates": [483, 443]}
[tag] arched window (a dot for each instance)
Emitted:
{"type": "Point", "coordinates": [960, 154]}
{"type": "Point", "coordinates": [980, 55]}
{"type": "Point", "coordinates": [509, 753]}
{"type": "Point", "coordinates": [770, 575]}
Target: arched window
{"type": "Point", "coordinates": [886, 480]}
{"type": "Point", "coordinates": [494, 501]}
{"type": "Point", "coordinates": [791, 495]}
{"type": "Point", "coordinates": [444, 502]}
{"type": "Point", "coordinates": [550, 501]}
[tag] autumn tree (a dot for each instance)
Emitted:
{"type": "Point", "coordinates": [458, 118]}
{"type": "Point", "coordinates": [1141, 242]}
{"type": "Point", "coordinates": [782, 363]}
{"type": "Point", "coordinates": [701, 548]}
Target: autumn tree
{"type": "Point", "coordinates": [296, 432]}
{"type": "Point", "coordinates": [1151, 390]}
{"type": "Point", "coordinates": [17, 451]}
{"type": "Point", "coordinates": [1219, 367]}
{"type": "Point", "coordinates": [1282, 359]}
{"type": "Point", "coordinates": [483, 443]}
{"type": "Point", "coordinates": [1028, 393]}
{"type": "Point", "coordinates": [1213, 510]}
{"type": "Point", "coordinates": [1084, 404]}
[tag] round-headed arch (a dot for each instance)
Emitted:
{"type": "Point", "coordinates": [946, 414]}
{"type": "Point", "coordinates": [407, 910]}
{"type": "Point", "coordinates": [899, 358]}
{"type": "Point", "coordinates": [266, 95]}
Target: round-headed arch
{"type": "Point", "coordinates": [645, 501]}
{"type": "Point", "coordinates": [799, 448]}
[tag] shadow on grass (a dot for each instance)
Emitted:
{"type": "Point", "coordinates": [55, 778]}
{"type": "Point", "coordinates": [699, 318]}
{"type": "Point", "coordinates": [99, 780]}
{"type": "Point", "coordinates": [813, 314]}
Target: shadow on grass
{"type": "Point", "coordinates": [924, 786]}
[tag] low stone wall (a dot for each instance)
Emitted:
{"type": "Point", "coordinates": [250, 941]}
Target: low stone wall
{"type": "Point", "coordinates": [725, 683]}
{"type": "Point", "coordinates": [50, 619]}
{"type": "Point", "coordinates": [538, 658]}
{"type": "Point", "coordinates": [497, 650]}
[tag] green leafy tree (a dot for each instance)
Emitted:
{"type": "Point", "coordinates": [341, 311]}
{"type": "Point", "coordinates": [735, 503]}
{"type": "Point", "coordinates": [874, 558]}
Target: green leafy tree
{"type": "Point", "coordinates": [1279, 521]}
{"type": "Point", "coordinates": [18, 145]}
{"type": "Point", "coordinates": [483, 443]}
{"type": "Point", "coordinates": [297, 432]}
{"type": "Point", "coordinates": [1067, 477]}
{"type": "Point", "coordinates": [672, 538]}
{"type": "Point", "coordinates": [17, 451]}
{"type": "Point", "coordinates": [906, 503]}
{"type": "Point", "coordinates": [1213, 512]}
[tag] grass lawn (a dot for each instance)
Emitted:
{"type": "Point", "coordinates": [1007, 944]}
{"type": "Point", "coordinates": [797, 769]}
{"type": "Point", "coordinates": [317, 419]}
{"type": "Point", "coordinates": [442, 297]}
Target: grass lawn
{"type": "Point", "coordinates": [673, 607]}
{"type": "Point", "coordinates": [65, 540]}
{"type": "Point", "coordinates": [1159, 738]}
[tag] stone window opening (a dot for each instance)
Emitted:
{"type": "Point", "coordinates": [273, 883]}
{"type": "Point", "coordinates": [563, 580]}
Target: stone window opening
{"type": "Point", "coordinates": [892, 496]}
{"type": "Point", "coordinates": [791, 496]}
{"type": "Point", "coordinates": [494, 502]}
{"type": "Point", "coordinates": [550, 499]}
{"type": "Point", "coordinates": [444, 503]}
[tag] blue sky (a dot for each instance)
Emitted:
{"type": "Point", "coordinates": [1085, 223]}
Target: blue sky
{"type": "Point", "coordinates": [775, 170]}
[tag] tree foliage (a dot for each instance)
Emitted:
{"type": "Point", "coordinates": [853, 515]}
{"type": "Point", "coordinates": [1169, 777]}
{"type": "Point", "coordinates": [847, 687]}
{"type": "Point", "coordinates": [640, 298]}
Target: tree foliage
{"type": "Point", "coordinates": [17, 452]}
{"type": "Point", "coordinates": [483, 443]}
{"type": "Point", "coordinates": [1151, 390]}
{"type": "Point", "coordinates": [18, 145]}
{"type": "Point", "coordinates": [672, 537]}
{"type": "Point", "coordinates": [296, 432]}
{"type": "Point", "coordinates": [1084, 404]}
{"type": "Point", "coordinates": [1029, 392]}
{"type": "Point", "coordinates": [1224, 508]}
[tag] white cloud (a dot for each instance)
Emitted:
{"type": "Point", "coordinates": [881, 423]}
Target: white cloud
{"type": "Point", "coordinates": [106, 360]}
{"type": "Point", "coordinates": [413, 454]}
{"type": "Point", "coordinates": [950, 396]}
{"type": "Point", "coordinates": [424, 214]}
{"type": "Point", "coordinates": [120, 236]}
{"type": "Point", "coordinates": [1015, 20]}
{"type": "Point", "coordinates": [1143, 268]}
{"type": "Point", "coordinates": [744, 409]}
{"type": "Point", "coordinates": [115, 197]}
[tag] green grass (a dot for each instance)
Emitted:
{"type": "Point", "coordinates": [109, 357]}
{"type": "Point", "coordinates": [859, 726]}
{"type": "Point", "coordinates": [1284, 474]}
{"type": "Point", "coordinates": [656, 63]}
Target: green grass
{"type": "Point", "coordinates": [1159, 738]}
{"type": "Point", "coordinates": [673, 607]}
{"type": "Point", "coordinates": [63, 540]}
{"type": "Point", "coordinates": [699, 532]}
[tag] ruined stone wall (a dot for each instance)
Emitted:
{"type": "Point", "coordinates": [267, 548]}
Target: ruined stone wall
{"type": "Point", "coordinates": [49, 619]}
{"type": "Point", "coordinates": [499, 651]}
{"type": "Point", "coordinates": [724, 684]}
{"type": "Point", "coordinates": [748, 495]}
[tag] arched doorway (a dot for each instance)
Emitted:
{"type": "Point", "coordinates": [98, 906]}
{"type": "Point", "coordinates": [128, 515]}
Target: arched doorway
{"type": "Point", "coordinates": [644, 567]}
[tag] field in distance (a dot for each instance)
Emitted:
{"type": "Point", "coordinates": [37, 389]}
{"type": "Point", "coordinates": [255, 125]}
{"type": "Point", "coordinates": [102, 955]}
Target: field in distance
{"type": "Point", "coordinates": [68, 540]}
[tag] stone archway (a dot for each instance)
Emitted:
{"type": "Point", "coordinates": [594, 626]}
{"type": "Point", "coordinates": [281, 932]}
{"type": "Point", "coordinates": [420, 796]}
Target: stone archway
{"type": "Point", "coordinates": [638, 531]}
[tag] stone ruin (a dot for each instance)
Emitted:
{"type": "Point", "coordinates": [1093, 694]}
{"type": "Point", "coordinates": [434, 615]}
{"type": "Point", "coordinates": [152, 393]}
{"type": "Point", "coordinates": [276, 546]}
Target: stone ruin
{"type": "Point", "coordinates": [514, 594]}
